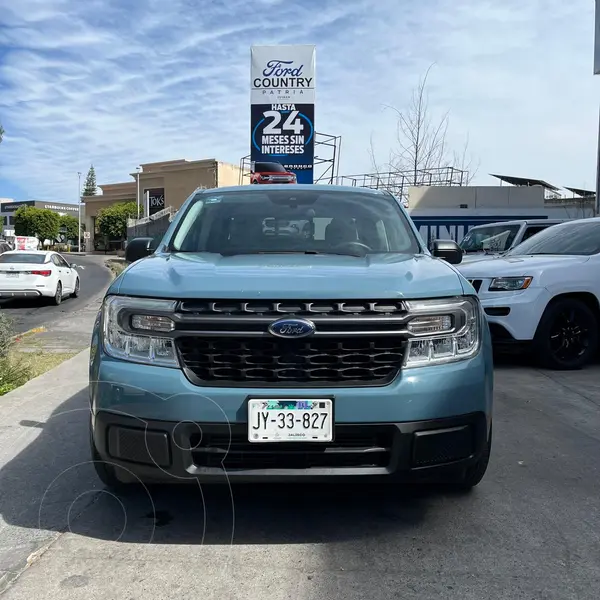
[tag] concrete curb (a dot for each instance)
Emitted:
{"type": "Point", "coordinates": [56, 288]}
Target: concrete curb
{"type": "Point", "coordinates": [40, 329]}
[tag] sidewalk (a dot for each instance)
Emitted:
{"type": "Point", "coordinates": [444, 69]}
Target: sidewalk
{"type": "Point", "coordinates": [54, 405]}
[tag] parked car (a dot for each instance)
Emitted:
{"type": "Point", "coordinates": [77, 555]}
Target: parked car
{"type": "Point", "coordinates": [348, 353]}
{"type": "Point", "coordinates": [270, 173]}
{"type": "Point", "coordinates": [494, 239]}
{"type": "Point", "coordinates": [544, 294]}
{"type": "Point", "coordinates": [37, 274]}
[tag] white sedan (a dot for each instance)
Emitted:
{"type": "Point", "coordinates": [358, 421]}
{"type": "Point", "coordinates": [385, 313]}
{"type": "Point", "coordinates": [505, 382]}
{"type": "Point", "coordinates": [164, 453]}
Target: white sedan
{"type": "Point", "coordinates": [35, 274]}
{"type": "Point", "coordinates": [545, 292]}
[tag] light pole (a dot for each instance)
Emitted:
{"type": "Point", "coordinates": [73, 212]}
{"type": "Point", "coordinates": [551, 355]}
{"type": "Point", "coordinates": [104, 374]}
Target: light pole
{"type": "Point", "coordinates": [79, 212]}
{"type": "Point", "coordinates": [597, 72]}
{"type": "Point", "coordinates": [138, 191]}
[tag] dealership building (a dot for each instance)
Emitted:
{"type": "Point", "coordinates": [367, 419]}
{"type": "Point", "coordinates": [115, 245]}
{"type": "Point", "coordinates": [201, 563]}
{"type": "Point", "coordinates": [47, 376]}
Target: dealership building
{"type": "Point", "coordinates": [8, 207]}
{"type": "Point", "coordinates": [160, 185]}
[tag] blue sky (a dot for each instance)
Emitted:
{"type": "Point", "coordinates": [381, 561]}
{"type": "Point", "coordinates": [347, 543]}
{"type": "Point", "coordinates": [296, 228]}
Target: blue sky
{"type": "Point", "coordinates": [122, 82]}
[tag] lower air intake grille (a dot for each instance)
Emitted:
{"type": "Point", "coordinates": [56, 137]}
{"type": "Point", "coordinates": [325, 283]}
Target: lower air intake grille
{"type": "Point", "coordinates": [354, 446]}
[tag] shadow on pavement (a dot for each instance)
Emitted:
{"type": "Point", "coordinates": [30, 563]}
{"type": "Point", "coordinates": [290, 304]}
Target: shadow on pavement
{"type": "Point", "coordinates": [52, 486]}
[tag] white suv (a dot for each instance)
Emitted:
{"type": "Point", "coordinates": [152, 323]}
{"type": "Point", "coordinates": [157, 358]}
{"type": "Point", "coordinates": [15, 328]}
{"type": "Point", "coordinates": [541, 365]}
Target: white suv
{"type": "Point", "coordinates": [545, 292]}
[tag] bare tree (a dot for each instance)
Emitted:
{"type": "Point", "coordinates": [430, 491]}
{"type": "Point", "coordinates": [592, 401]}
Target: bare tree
{"type": "Point", "coordinates": [1, 133]}
{"type": "Point", "coordinates": [464, 162]}
{"type": "Point", "coordinates": [421, 142]}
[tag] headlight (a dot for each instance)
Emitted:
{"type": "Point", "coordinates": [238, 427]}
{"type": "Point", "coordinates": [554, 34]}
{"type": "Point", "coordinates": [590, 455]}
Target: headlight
{"type": "Point", "coordinates": [443, 331]}
{"type": "Point", "coordinates": [510, 284]}
{"type": "Point", "coordinates": [132, 327]}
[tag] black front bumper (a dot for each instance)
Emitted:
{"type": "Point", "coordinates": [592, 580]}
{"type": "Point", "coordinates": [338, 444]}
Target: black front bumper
{"type": "Point", "coordinates": [166, 452]}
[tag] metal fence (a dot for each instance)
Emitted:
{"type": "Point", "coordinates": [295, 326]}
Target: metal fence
{"type": "Point", "coordinates": [154, 226]}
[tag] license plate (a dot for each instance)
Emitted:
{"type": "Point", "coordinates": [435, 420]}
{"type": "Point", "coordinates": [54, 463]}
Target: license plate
{"type": "Point", "coordinates": [290, 420]}
{"type": "Point", "coordinates": [12, 274]}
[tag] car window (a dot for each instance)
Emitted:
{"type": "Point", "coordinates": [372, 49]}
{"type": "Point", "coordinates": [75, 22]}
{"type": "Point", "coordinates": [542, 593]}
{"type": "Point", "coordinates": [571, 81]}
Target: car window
{"type": "Point", "coordinates": [55, 260]}
{"type": "Point", "coordinates": [580, 237]}
{"type": "Point", "coordinates": [532, 230]}
{"type": "Point", "coordinates": [61, 261]}
{"type": "Point", "coordinates": [24, 257]}
{"type": "Point", "coordinates": [295, 221]}
{"type": "Point", "coordinates": [495, 238]}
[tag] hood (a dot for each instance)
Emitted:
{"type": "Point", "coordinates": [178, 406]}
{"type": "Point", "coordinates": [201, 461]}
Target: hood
{"type": "Point", "coordinates": [473, 256]}
{"type": "Point", "coordinates": [288, 276]}
{"type": "Point", "coordinates": [517, 266]}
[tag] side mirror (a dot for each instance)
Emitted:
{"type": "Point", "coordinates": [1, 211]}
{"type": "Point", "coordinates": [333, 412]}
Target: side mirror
{"type": "Point", "coordinates": [73, 266]}
{"type": "Point", "coordinates": [139, 248]}
{"type": "Point", "coordinates": [448, 250]}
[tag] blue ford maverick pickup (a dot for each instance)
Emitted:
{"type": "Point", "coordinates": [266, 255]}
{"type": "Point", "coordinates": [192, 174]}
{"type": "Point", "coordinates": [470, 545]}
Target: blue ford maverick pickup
{"type": "Point", "coordinates": [291, 333]}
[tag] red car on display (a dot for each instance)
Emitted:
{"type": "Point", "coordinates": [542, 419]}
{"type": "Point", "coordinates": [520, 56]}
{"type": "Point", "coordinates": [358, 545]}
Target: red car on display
{"type": "Point", "coordinates": [271, 172]}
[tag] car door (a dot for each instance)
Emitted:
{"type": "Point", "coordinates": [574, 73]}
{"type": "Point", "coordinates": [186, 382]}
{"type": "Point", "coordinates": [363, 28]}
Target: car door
{"type": "Point", "coordinates": [61, 272]}
{"type": "Point", "coordinates": [69, 274]}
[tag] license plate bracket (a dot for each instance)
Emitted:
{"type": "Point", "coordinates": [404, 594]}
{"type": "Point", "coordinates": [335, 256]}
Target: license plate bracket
{"type": "Point", "coordinates": [277, 420]}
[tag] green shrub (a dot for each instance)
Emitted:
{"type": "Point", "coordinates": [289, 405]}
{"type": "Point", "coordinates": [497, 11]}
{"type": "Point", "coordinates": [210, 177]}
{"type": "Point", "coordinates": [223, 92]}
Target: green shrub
{"type": "Point", "coordinates": [13, 372]}
{"type": "Point", "coordinates": [7, 334]}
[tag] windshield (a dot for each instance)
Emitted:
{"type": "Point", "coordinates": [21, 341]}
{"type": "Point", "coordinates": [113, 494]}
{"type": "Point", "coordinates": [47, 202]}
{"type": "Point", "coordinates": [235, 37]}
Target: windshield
{"type": "Point", "coordinates": [575, 238]}
{"type": "Point", "coordinates": [37, 259]}
{"type": "Point", "coordinates": [496, 238]}
{"type": "Point", "coordinates": [269, 167]}
{"type": "Point", "coordinates": [306, 221]}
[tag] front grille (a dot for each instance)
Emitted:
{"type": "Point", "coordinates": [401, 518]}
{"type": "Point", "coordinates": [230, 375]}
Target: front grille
{"type": "Point", "coordinates": [293, 307]}
{"type": "Point", "coordinates": [353, 446]}
{"type": "Point", "coordinates": [227, 342]}
{"type": "Point", "coordinates": [278, 362]}
{"type": "Point", "coordinates": [476, 283]}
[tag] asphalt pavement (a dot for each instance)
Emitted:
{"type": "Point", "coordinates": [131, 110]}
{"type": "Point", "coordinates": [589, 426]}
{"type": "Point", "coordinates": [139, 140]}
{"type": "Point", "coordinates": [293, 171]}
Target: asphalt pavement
{"type": "Point", "coordinates": [529, 531]}
{"type": "Point", "coordinates": [29, 314]}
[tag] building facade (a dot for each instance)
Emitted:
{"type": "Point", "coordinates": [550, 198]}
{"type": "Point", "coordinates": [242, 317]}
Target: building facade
{"type": "Point", "coordinates": [8, 207]}
{"type": "Point", "coordinates": [159, 185]}
{"type": "Point", "coordinates": [448, 212]}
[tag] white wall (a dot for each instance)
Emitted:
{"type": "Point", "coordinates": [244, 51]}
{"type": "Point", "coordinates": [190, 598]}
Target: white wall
{"type": "Point", "coordinates": [426, 197]}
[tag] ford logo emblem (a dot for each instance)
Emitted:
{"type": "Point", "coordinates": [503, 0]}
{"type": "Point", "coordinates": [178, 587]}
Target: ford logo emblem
{"type": "Point", "coordinates": [292, 328]}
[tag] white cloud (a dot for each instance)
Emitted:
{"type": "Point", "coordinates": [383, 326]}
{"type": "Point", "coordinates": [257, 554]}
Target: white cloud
{"type": "Point", "coordinates": [119, 84]}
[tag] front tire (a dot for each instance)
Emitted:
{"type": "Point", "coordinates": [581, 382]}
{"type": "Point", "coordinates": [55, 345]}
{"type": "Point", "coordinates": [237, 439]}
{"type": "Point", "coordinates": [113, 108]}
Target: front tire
{"type": "Point", "coordinates": [567, 335]}
{"type": "Point", "coordinates": [75, 293]}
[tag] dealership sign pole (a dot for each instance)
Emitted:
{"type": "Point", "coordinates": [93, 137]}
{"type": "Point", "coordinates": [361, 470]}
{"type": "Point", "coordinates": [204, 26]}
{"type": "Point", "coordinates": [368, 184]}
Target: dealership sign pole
{"type": "Point", "coordinates": [597, 72]}
{"type": "Point", "coordinates": [282, 121]}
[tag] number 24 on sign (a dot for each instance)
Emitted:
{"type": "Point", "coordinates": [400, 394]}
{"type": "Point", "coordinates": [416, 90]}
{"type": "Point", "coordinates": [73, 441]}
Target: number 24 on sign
{"type": "Point", "coordinates": [291, 123]}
